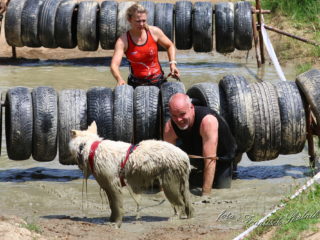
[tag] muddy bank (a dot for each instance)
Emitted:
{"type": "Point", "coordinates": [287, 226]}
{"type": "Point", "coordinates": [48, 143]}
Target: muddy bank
{"type": "Point", "coordinates": [51, 197]}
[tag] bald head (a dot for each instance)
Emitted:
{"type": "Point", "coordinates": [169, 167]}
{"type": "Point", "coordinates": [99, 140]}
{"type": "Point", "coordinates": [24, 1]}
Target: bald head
{"type": "Point", "coordinates": [181, 110]}
{"type": "Point", "coordinates": [179, 100]}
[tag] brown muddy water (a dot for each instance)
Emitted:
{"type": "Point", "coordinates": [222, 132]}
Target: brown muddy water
{"type": "Point", "coordinates": [35, 190]}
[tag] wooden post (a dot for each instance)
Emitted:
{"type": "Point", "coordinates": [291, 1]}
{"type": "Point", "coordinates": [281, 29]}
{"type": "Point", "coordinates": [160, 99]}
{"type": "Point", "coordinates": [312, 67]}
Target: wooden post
{"type": "Point", "coordinates": [310, 137]}
{"type": "Point", "coordinates": [256, 39]}
{"type": "Point", "coordinates": [258, 6]}
{"type": "Point", "coordinates": [291, 35]}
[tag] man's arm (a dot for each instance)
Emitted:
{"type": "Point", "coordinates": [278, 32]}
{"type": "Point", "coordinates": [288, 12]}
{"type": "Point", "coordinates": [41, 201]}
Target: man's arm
{"type": "Point", "coordinates": [119, 50]}
{"type": "Point", "coordinates": [209, 133]}
{"type": "Point", "coordinates": [169, 135]}
{"type": "Point", "coordinates": [165, 42]}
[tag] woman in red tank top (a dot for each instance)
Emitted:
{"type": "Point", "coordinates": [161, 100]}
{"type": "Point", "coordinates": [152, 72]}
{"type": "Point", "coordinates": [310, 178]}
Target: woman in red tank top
{"type": "Point", "coordinates": [140, 45]}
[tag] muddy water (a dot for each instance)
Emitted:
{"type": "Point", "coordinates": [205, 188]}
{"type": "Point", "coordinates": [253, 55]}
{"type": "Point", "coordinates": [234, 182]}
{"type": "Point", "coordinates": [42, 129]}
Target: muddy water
{"type": "Point", "coordinates": [52, 191]}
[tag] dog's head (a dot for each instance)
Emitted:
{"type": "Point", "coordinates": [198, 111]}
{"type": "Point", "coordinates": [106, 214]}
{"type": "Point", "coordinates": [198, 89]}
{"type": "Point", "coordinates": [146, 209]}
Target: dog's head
{"type": "Point", "coordinates": [80, 144]}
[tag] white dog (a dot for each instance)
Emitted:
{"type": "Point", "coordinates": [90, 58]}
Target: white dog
{"type": "Point", "coordinates": [151, 159]}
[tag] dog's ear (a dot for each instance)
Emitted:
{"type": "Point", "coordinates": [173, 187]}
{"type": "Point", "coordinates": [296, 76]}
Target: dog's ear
{"type": "Point", "coordinates": [73, 133]}
{"type": "Point", "coordinates": [93, 128]}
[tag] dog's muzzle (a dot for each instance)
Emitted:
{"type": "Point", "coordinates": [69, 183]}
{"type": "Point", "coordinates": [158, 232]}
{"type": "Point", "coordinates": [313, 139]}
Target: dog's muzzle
{"type": "Point", "coordinates": [80, 159]}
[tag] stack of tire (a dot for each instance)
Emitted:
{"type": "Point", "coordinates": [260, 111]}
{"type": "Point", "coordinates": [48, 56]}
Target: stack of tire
{"type": "Point", "coordinates": [38, 122]}
{"type": "Point", "coordinates": [69, 23]}
{"type": "Point", "coordinates": [266, 119]}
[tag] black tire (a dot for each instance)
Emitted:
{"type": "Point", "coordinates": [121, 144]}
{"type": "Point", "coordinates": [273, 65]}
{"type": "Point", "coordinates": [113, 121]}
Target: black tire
{"type": "Point", "coordinates": [267, 141]}
{"type": "Point", "coordinates": [224, 27]}
{"type": "Point", "coordinates": [18, 123]}
{"type": "Point", "coordinates": [108, 24]}
{"type": "Point", "coordinates": [150, 7]}
{"type": "Point", "coordinates": [293, 118]}
{"type": "Point", "coordinates": [122, 22]}
{"type": "Point", "coordinates": [29, 23]}
{"type": "Point", "coordinates": [123, 113]}
{"type": "Point", "coordinates": [87, 26]}
{"type": "Point", "coordinates": [100, 110]}
{"type": "Point", "coordinates": [309, 83]}
{"type": "Point", "coordinates": [146, 113]}
{"type": "Point", "coordinates": [46, 23]}
{"type": "Point", "coordinates": [202, 27]}
{"type": "Point", "coordinates": [72, 113]}
{"type": "Point", "coordinates": [65, 31]}
{"type": "Point", "coordinates": [223, 175]}
{"type": "Point", "coordinates": [205, 94]}
{"type": "Point", "coordinates": [12, 24]}
{"type": "Point", "coordinates": [167, 90]}
{"type": "Point", "coordinates": [45, 123]}
{"type": "Point", "coordinates": [183, 25]}
{"type": "Point", "coordinates": [243, 33]}
{"type": "Point", "coordinates": [163, 19]}
{"type": "Point", "coordinates": [239, 110]}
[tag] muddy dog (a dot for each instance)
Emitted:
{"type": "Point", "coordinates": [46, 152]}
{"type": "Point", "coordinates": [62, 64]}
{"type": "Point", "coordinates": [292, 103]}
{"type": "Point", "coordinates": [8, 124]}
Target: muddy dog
{"type": "Point", "coordinates": [110, 162]}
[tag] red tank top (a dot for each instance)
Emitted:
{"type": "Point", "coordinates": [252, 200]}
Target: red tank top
{"type": "Point", "coordinates": [143, 59]}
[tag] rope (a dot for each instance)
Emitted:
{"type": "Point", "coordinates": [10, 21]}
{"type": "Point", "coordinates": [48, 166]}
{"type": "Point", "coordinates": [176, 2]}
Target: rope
{"type": "Point", "coordinates": [282, 205]}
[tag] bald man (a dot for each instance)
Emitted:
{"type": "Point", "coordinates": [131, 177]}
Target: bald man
{"type": "Point", "coordinates": [202, 132]}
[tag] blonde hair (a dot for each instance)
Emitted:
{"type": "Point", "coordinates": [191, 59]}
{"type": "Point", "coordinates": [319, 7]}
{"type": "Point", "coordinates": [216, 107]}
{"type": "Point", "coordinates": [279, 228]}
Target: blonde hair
{"type": "Point", "coordinates": [135, 8]}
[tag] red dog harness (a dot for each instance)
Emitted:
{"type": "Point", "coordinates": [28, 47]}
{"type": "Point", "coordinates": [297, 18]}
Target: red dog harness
{"type": "Point", "coordinates": [92, 152]}
{"type": "Point", "coordinates": [123, 163]}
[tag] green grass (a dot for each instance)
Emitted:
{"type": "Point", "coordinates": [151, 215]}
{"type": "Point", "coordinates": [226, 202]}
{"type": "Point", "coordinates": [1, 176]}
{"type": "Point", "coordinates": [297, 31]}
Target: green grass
{"type": "Point", "coordinates": [32, 227]}
{"type": "Point", "coordinates": [299, 215]}
{"type": "Point", "coordinates": [306, 11]}
{"type": "Point", "coordinates": [301, 68]}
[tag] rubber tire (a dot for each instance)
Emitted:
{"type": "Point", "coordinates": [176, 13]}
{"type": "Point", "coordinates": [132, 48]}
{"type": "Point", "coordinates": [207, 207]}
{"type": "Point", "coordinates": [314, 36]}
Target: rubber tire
{"type": "Point", "coordinates": [18, 122]}
{"type": "Point", "coordinates": [122, 23]}
{"type": "Point", "coordinates": [224, 27]}
{"type": "Point", "coordinates": [45, 123]}
{"type": "Point", "coordinates": [29, 23]}
{"type": "Point", "coordinates": [150, 7]}
{"type": "Point", "coordinates": [87, 26]}
{"type": "Point", "coordinates": [243, 32]}
{"type": "Point", "coordinates": [100, 110]}
{"type": "Point", "coordinates": [202, 27]}
{"type": "Point", "coordinates": [108, 24]}
{"type": "Point", "coordinates": [72, 115]}
{"type": "Point", "coordinates": [164, 20]}
{"type": "Point", "coordinates": [267, 142]}
{"type": "Point", "coordinates": [167, 90]}
{"type": "Point", "coordinates": [309, 83]}
{"type": "Point", "coordinates": [293, 118]}
{"type": "Point", "coordinates": [206, 94]}
{"type": "Point", "coordinates": [223, 175]}
{"type": "Point", "coordinates": [65, 31]}
{"type": "Point", "coordinates": [183, 25]}
{"type": "Point", "coordinates": [146, 113]}
{"type": "Point", "coordinates": [46, 23]}
{"type": "Point", "coordinates": [123, 113]}
{"type": "Point", "coordinates": [12, 24]}
{"type": "Point", "coordinates": [239, 110]}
